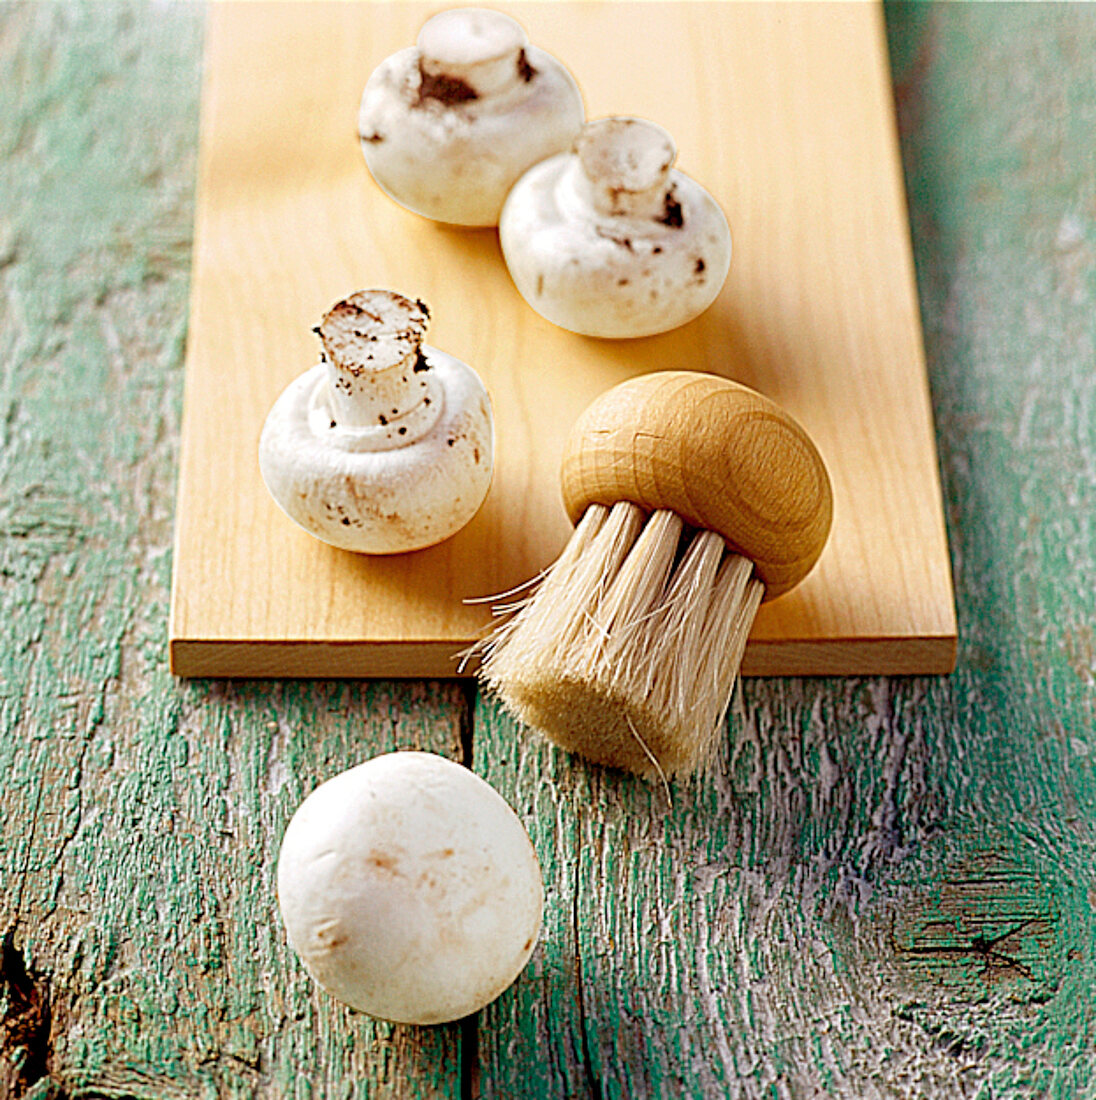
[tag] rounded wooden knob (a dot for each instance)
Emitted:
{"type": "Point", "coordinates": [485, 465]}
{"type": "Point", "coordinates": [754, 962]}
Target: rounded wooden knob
{"type": "Point", "coordinates": [718, 454]}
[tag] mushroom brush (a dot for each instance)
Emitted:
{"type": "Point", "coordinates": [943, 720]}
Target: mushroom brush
{"type": "Point", "coordinates": [695, 499]}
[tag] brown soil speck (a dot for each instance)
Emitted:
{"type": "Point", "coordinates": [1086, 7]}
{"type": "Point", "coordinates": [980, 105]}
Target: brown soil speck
{"type": "Point", "coordinates": [420, 362]}
{"type": "Point", "coordinates": [373, 139]}
{"type": "Point", "coordinates": [352, 307]}
{"type": "Point", "coordinates": [624, 242]}
{"type": "Point", "coordinates": [700, 266]}
{"type": "Point", "coordinates": [449, 90]}
{"type": "Point", "coordinates": [671, 211]}
{"type": "Point", "coordinates": [525, 70]}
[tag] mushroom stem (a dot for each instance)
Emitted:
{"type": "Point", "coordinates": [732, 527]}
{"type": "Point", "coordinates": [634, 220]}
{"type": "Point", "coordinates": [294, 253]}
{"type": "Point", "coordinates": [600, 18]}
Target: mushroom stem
{"type": "Point", "coordinates": [376, 371]}
{"type": "Point", "coordinates": [626, 166]}
{"type": "Point", "coordinates": [379, 396]}
{"type": "Point", "coordinates": [474, 47]}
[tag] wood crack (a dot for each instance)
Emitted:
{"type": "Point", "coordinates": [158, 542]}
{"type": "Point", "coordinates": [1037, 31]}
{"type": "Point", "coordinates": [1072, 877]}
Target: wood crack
{"type": "Point", "coordinates": [467, 722]}
{"type": "Point", "coordinates": [25, 1026]}
{"type": "Point", "coordinates": [980, 947]}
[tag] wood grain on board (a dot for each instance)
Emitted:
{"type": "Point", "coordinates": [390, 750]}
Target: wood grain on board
{"type": "Point", "coordinates": [783, 111]}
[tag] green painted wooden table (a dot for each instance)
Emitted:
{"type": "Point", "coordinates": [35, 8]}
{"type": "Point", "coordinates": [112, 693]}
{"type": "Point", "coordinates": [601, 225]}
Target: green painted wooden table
{"type": "Point", "coordinates": [887, 890]}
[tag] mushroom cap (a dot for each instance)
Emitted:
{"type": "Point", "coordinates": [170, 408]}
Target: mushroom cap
{"type": "Point", "coordinates": [609, 240]}
{"type": "Point", "coordinates": [359, 489]}
{"type": "Point", "coordinates": [447, 126]}
{"type": "Point", "coordinates": [409, 889]}
{"type": "Point", "coordinates": [718, 454]}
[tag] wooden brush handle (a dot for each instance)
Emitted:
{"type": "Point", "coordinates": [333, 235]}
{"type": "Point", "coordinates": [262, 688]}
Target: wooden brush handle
{"type": "Point", "coordinates": [715, 452]}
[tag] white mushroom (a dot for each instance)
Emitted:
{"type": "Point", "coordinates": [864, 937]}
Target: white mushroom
{"type": "Point", "coordinates": [447, 126]}
{"type": "Point", "coordinates": [385, 445]}
{"type": "Point", "coordinates": [409, 889]}
{"type": "Point", "coordinates": [610, 240]}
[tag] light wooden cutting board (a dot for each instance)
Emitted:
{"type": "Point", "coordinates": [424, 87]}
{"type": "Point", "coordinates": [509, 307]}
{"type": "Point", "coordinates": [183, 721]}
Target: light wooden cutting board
{"type": "Point", "coordinates": [783, 111]}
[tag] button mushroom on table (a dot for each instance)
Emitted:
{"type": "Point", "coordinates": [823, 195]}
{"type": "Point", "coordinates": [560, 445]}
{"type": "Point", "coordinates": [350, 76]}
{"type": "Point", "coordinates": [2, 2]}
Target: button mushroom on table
{"type": "Point", "coordinates": [610, 239]}
{"type": "Point", "coordinates": [448, 125]}
{"type": "Point", "coordinates": [386, 445]}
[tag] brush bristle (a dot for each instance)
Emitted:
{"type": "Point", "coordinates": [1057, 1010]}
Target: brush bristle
{"type": "Point", "coordinates": [628, 651]}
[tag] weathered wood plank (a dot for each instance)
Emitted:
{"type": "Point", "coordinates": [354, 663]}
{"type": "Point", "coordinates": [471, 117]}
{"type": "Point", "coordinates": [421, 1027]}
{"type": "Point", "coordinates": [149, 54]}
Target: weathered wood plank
{"type": "Point", "coordinates": [887, 888]}
{"type": "Point", "coordinates": [886, 891]}
{"type": "Point", "coordinates": [143, 955]}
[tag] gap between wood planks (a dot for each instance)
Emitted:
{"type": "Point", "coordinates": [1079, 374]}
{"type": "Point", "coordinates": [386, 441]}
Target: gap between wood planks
{"type": "Point", "coordinates": [469, 1026]}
